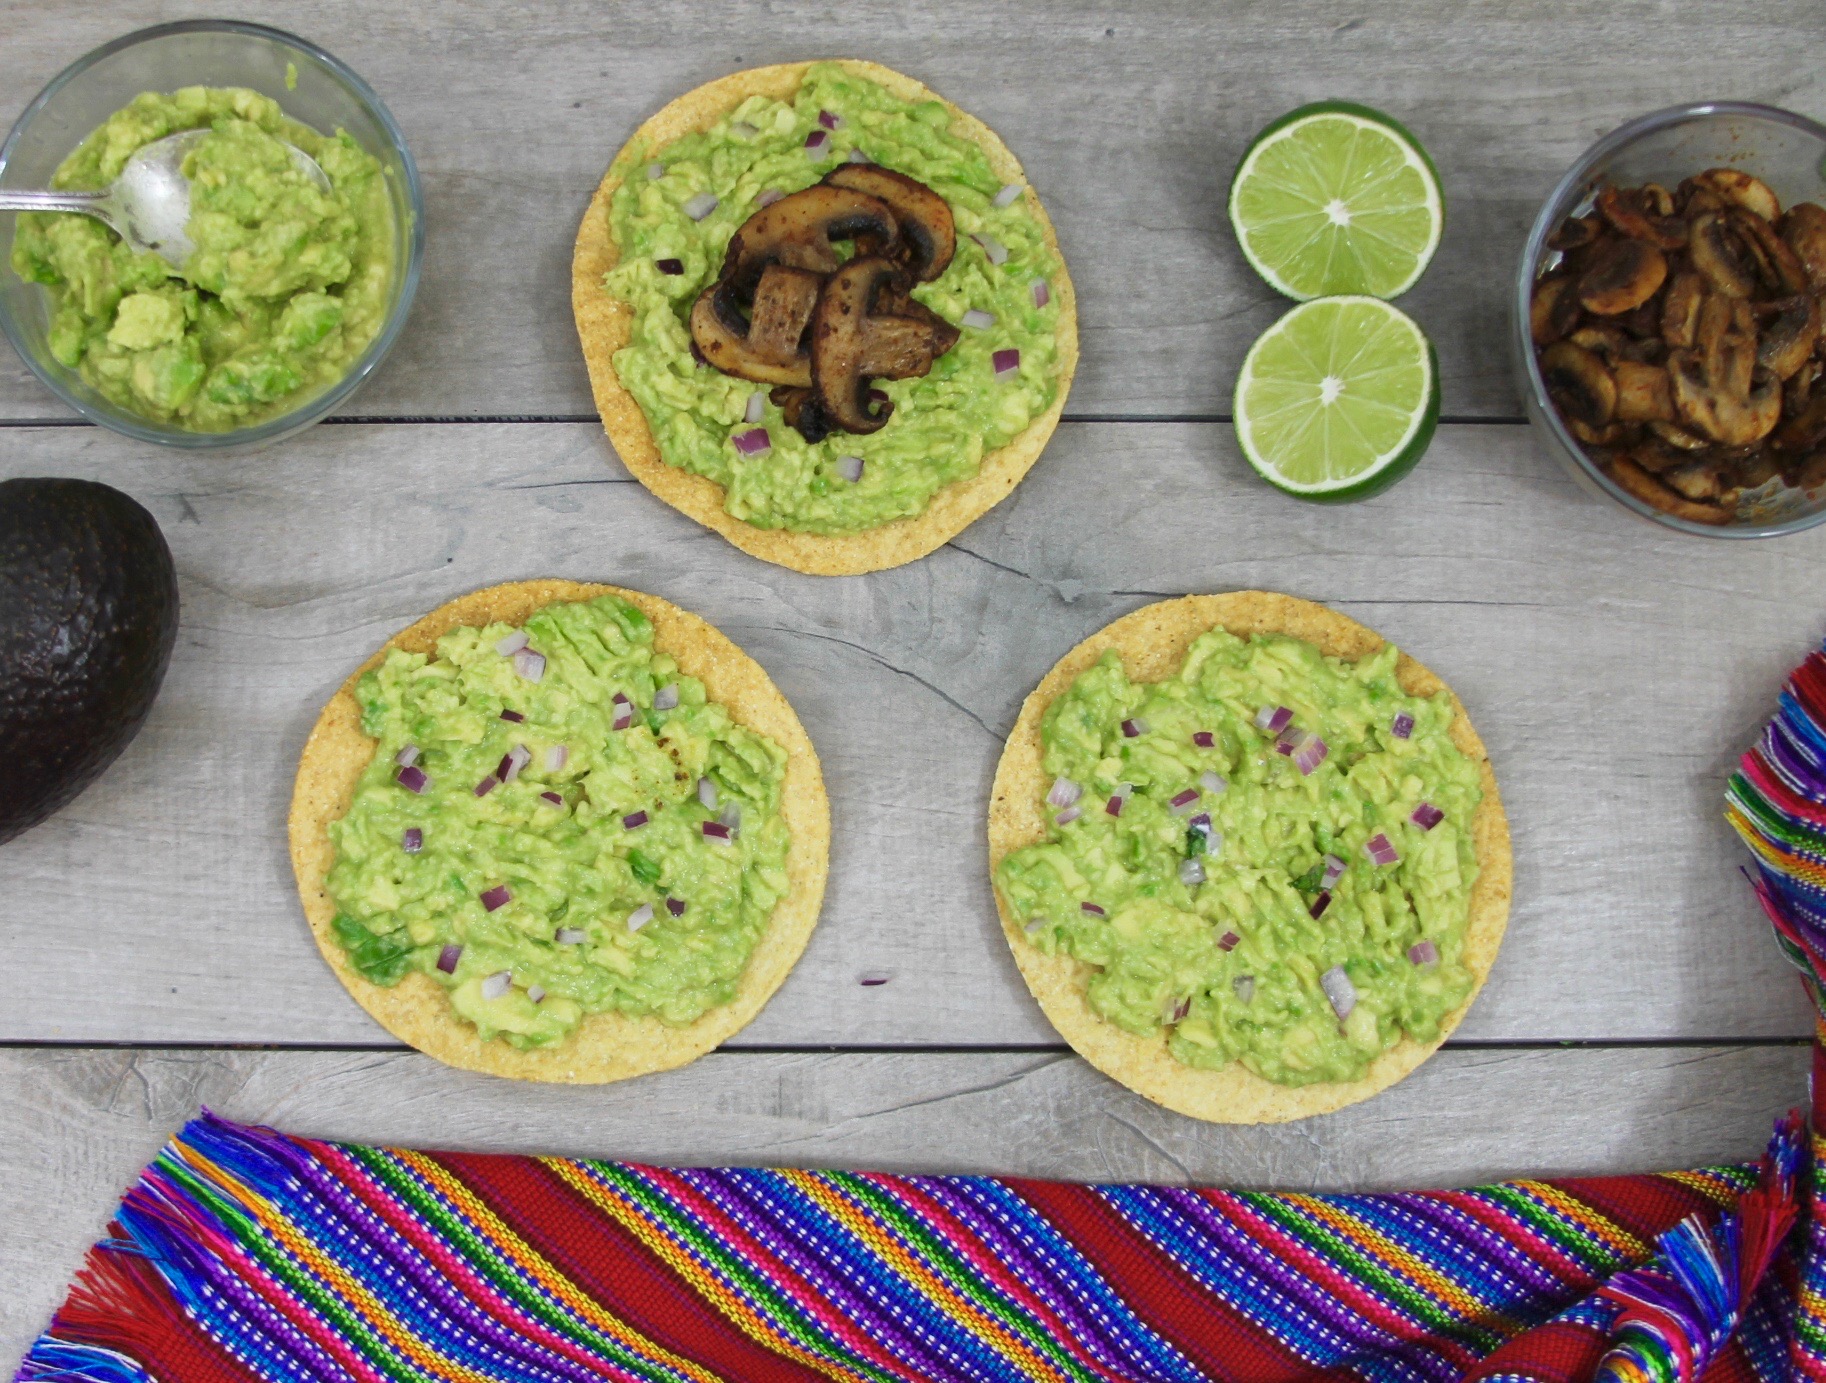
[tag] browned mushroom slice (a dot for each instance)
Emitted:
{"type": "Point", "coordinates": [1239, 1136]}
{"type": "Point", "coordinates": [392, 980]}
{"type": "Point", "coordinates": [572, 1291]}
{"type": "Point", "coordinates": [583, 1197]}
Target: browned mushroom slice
{"type": "Point", "coordinates": [798, 231]}
{"type": "Point", "coordinates": [1805, 431]}
{"type": "Point", "coordinates": [1708, 403]}
{"type": "Point", "coordinates": [841, 341]}
{"type": "Point", "coordinates": [1753, 470]}
{"type": "Point", "coordinates": [1678, 437]}
{"type": "Point", "coordinates": [800, 409]}
{"type": "Point", "coordinates": [1629, 210]}
{"type": "Point", "coordinates": [1579, 383]}
{"type": "Point", "coordinates": [1739, 189]}
{"type": "Point", "coordinates": [1804, 228]}
{"type": "Point", "coordinates": [783, 304]}
{"type": "Point", "coordinates": [1602, 340]}
{"type": "Point", "coordinates": [1680, 308]}
{"type": "Point", "coordinates": [1799, 387]}
{"type": "Point", "coordinates": [1776, 264]}
{"type": "Point", "coordinates": [1554, 310]}
{"type": "Point", "coordinates": [1806, 473]}
{"type": "Point", "coordinates": [1622, 275]}
{"type": "Point", "coordinates": [1787, 341]}
{"type": "Point", "coordinates": [1643, 394]}
{"type": "Point", "coordinates": [1638, 482]}
{"type": "Point", "coordinates": [721, 337]}
{"type": "Point", "coordinates": [928, 234]}
{"type": "Point", "coordinates": [1573, 232]}
{"type": "Point", "coordinates": [1721, 256]}
{"type": "Point", "coordinates": [1695, 479]}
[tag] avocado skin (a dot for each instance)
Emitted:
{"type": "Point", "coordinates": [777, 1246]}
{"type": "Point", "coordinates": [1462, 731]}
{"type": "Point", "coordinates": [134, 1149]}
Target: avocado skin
{"type": "Point", "coordinates": [88, 617]}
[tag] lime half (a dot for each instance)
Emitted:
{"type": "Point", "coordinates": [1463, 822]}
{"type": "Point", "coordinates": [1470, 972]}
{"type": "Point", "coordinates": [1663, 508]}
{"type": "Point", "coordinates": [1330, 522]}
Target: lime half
{"type": "Point", "coordinates": [1338, 399]}
{"type": "Point", "coordinates": [1336, 198]}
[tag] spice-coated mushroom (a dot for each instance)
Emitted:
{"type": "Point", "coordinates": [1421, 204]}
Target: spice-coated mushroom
{"type": "Point", "coordinates": [928, 232]}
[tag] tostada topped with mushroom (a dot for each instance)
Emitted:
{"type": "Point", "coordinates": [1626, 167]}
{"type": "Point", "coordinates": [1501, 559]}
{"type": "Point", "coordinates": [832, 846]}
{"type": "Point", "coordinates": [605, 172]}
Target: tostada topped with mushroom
{"type": "Point", "coordinates": [824, 314]}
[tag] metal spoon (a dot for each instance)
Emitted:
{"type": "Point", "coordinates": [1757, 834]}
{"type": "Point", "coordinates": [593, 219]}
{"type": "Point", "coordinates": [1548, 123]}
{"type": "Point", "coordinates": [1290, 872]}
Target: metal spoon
{"type": "Point", "coordinates": [148, 206]}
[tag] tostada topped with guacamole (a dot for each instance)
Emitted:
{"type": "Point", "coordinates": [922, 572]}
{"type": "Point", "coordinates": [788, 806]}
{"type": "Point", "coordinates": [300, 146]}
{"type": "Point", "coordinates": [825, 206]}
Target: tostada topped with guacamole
{"type": "Point", "coordinates": [824, 314]}
{"type": "Point", "coordinates": [285, 289]}
{"type": "Point", "coordinates": [568, 839]}
{"type": "Point", "coordinates": [1262, 848]}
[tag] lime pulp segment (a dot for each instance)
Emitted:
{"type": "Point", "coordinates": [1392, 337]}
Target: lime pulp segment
{"type": "Point", "coordinates": [1338, 200]}
{"type": "Point", "coordinates": [1337, 399]}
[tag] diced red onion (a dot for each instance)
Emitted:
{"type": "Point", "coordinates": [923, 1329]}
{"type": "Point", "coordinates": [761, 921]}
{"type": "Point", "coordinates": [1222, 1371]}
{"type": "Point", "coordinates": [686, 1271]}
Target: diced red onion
{"type": "Point", "coordinates": [1092, 909]}
{"type": "Point", "coordinates": [768, 196]}
{"type": "Point", "coordinates": [1178, 1011]}
{"type": "Point", "coordinates": [513, 717]}
{"type": "Point", "coordinates": [570, 936]}
{"type": "Point", "coordinates": [850, 468]}
{"type": "Point", "coordinates": [1134, 729]}
{"type": "Point", "coordinates": [1321, 901]}
{"type": "Point", "coordinates": [1426, 816]}
{"type": "Point", "coordinates": [1201, 822]}
{"type": "Point", "coordinates": [757, 407]}
{"type": "Point", "coordinates": [1069, 815]}
{"type": "Point", "coordinates": [977, 319]}
{"type": "Point", "coordinates": [556, 756]}
{"type": "Point", "coordinates": [1334, 871]}
{"type": "Point", "coordinates": [1423, 953]}
{"type": "Point", "coordinates": [1214, 843]}
{"type": "Point", "coordinates": [671, 267]}
{"type": "Point", "coordinates": [486, 786]}
{"type": "Point", "coordinates": [1007, 195]}
{"type": "Point", "coordinates": [1290, 741]}
{"type": "Point", "coordinates": [1379, 850]}
{"type": "Point", "coordinates": [741, 129]}
{"type": "Point", "coordinates": [731, 816]}
{"type": "Point", "coordinates": [1034, 924]}
{"type": "Point", "coordinates": [706, 793]}
{"type": "Point", "coordinates": [700, 206]}
{"type": "Point", "coordinates": [1116, 803]}
{"type": "Point", "coordinates": [412, 779]}
{"type": "Point", "coordinates": [536, 992]}
{"type": "Point", "coordinates": [994, 249]}
{"type": "Point", "coordinates": [1005, 363]}
{"type": "Point", "coordinates": [1214, 783]}
{"type": "Point", "coordinates": [1191, 872]}
{"type": "Point", "coordinates": [1339, 989]}
{"type": "Point", "coordinates": [529, 665]}
{"type": "Point", "coordinates": [555, 799]}
{"type": "Point", "coordinates": [1064, 792]}
{"type": "Point", "coordinates": [1184, 802]}
{"type": "Point", "coordinates": [829, 120]}
{"type": "Point", "coordinates": [497, 984]}
{"type": "Point", "coordinates": [1244, 985]}
{"type": "Point", "coordinates": [640, 917]}
{"type": "Point", "coordinates": [1228, 941]}
{"type": "Point", "coordinates": [872, 979]}
{"type": "Point", "coordinates": [512, 644]}
{"type": "Point", "coordinates": [655, 171]}
{"type": "Point", "coordinates": [1403, 725]}
{"type": "Point", "coordinates": [717, 831]}
{"type": "Point", "coordinates": [675, 906]}
{"type": "Point", "coordinates": [754, 442]}
{"type": "Point", "coordinates": [497, 897]}
{"type": "Point", "coordinates": [1204, 739]}
{"type": "Point", "coordinates": [517, 758]}
{"type": "Point", "coordinates": [1273, 719]}
{"type": "Point", "coordinates": [412, 840]}
{"type": "Point", "coordinates": [857, 156]}
{"type": "Point", "coordinates": [1311, 754]}
{"type": "Point", "coordinates": [447, 959]}
{"type": "Point", "coordinates": [1041, 293]}
{"type": "Point", "coordinates": [816, 143]}
{"type": "Point", "coordinates": [407, 756]}
{"type": "Point", "coordinates": [624, 712]}
{"type": "Point", "coordinates": [666, 698]}
{"type": "Point", "coordinates": [633, 821]}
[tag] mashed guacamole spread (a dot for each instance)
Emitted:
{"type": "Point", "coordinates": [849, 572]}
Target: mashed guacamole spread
{"type": "Point", "coordinates": [286, 288]}
{"type": "Point", "coordinates": [1269, 855]}
{"type": "Point", "coordinates": [677, 207]}
{"type": "Point", "coordinates": [556, 822]}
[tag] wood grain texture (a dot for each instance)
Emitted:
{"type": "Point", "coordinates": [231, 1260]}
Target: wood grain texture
{"type": "Point", "coordinates": [1130, 119]}
{"type": "Point", "coordinates": [82, 1124]}
{"type": "Point", "coordinates": [1615, 671]}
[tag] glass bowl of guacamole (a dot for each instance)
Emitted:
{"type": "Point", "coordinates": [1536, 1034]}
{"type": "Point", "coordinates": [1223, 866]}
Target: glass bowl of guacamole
{"type": "Point", "coordinates": [293, 297]}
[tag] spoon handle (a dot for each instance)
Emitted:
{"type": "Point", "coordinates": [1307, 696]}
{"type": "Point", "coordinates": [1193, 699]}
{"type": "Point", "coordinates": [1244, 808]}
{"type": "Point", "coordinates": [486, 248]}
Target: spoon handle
{"type": "Point", "coordinates": [86, 202]}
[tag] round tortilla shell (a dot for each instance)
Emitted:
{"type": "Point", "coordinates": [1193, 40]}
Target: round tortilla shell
{"type": "Point", "coordinates": [605, 325]}
{"type": "Point", "coordinates": [605, 1046]}
{"type": "Point", "coordinates": [1153, 642]}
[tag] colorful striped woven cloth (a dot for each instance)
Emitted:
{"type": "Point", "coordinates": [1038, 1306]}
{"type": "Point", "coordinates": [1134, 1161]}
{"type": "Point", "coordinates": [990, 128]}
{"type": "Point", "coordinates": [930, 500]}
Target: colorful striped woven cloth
{"type": "Point", "coordinates": [247, 1254]}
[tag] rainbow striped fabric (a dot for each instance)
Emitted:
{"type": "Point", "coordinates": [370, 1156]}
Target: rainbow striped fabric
{"type": "Point", "coordinates": [244, 1254]}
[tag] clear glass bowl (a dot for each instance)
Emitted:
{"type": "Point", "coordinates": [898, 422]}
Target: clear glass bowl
{"type": "Point", "coordinates": [1784, 150]}
{"type": "Point", "coordinates": [327, 96]}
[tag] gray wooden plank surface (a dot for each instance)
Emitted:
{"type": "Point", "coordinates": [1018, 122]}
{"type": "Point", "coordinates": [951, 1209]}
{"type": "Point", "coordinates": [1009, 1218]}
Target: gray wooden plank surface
{"type": "Point", "coordinates": [1129, 117]}
{"type": "Point", "coordinates": [1614, 669]}
{"type": "Point", "coordinates": [82, 1124]}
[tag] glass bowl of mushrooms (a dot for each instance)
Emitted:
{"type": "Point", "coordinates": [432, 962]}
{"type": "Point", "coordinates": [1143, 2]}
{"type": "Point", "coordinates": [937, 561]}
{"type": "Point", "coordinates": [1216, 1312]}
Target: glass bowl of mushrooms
{"type": "Point", "coordinates": [1667, 320]}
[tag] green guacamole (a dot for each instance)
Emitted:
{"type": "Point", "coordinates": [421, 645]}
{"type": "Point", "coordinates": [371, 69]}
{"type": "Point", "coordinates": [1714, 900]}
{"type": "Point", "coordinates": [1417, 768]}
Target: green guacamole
{"type": "Point", "coordinates": [1235, 964]}
{"type": "Point", "coordinates": [286, 288]}
{"type": "Point", "coordinates": [596, 877]}
{"type": "Point", "coordinates": [944, 423]}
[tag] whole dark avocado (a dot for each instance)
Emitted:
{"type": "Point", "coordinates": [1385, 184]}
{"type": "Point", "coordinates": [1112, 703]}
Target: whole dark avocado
{"type": "Point", "coordinates": [88, 617]}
